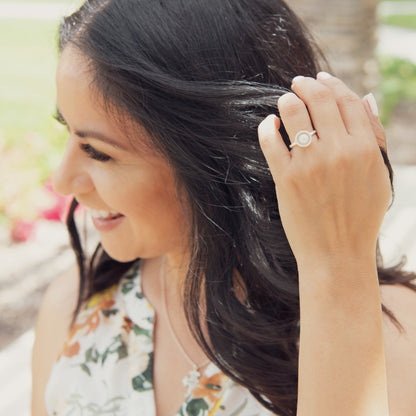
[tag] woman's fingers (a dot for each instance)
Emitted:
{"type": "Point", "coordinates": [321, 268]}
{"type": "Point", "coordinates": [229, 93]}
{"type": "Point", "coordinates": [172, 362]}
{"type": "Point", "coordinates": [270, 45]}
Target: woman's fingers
{"type": "Point", "coordinates": [274, 149]}
{"type": "Point", "coordinates": [322, 107]}
{"type": "Point", "coordinates": [332, 194]}
{"type": "Point", "coordinates": [349, 105]}
{"type": "Point", "coordinates": [295, 115]}
{"type": "Point", "coordinates": [370, 106]}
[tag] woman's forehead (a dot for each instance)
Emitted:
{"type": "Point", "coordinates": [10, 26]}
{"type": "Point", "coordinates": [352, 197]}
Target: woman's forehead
{"type": "Point", "coordinates": [73, 63]}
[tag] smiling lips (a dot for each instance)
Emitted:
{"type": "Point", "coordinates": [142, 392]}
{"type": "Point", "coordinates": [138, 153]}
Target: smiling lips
{"type": "Point", "coordinates": [105, 220]}
{"type": "Point", "coordinates": [102, 214]}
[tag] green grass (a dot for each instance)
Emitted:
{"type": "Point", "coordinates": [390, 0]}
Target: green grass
{"type": "Point", "coordinates": [29, 49]}
{"type": "Point", "coordinates": [27, 97]}
{"type": "Point", "coordinates": [406, 21]}
{"type": "Point", "coordinates": [31, 140]}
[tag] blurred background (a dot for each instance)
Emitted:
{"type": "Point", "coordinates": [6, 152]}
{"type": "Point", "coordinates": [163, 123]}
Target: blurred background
{"type": "Point", "coordinates": [371, 44]}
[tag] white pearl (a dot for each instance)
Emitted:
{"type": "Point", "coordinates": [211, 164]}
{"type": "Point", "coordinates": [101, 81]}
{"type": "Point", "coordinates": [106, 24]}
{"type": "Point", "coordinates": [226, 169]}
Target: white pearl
{"type": "Point", "coordinates": [304, 139]}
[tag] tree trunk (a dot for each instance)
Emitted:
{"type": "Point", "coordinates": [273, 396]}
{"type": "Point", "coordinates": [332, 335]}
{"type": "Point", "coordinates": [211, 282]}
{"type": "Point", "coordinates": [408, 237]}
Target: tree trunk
{"type": "Point", "coordinates": [346, 32]}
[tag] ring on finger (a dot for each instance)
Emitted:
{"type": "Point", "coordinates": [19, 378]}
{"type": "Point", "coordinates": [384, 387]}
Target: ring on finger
{"type": "Point", "coordinates": [303, 138]}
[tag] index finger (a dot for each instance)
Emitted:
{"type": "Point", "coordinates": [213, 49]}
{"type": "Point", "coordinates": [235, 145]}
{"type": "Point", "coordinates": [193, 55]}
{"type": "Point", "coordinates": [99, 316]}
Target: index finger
{"type": "Point", "coordinates": [272, 145]}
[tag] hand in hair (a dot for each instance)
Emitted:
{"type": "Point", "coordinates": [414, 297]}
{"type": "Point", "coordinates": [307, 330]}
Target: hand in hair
{"type": "Point", "coordinates": [332, 198]}
{"type": "Point", "coordinates": [332, 195]}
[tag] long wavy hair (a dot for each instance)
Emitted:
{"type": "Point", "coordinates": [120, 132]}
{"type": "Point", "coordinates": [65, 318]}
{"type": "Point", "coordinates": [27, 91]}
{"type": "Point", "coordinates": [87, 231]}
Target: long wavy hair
{"type": "Point", "coordinates": [200, 75]}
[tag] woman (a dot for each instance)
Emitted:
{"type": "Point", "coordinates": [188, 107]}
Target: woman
{"type": "Point", "coordinates": [240, 303]}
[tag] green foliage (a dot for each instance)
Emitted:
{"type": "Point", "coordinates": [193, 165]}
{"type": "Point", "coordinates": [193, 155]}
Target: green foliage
{"type": "Point", "coordinates": [398, 82]}
{"type": "Point", "coordinates": [144, 381]}
{"type": "Point", "coordinates": [196, 407]}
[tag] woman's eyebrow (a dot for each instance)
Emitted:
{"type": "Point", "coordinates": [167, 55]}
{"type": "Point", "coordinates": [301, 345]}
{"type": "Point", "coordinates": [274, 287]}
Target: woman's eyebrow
{"type": "Point", "coordinates": [92, 134]}
{"type": "Point", "coordinates": [99, 136]}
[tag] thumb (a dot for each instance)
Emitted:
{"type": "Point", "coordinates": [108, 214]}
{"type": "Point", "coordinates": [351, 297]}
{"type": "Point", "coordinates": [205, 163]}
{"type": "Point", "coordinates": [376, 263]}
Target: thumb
{"type": "Point", "coordinates": [371, 108]}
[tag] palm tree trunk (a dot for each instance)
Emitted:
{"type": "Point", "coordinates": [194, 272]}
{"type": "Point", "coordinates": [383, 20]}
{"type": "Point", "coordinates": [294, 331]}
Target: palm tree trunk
{"type": "Point", "coordinates": [346, 32]}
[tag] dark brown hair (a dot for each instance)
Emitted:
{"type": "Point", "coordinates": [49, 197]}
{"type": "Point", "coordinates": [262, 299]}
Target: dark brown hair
{"type": "Point", "coordinates": [200, 75]}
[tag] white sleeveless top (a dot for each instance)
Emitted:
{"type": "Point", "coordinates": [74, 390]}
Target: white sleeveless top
{"type": "Point", "coordinates": [105, 367]}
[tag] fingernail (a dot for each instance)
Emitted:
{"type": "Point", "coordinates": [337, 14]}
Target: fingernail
{"type": "Point", "coordinates": [297, 78]}
{"type": "Point", "coordinates": [323, 75]}
{"type": "Point", "coordinates": [271, 117]}
{"type": "Point", "coordinates": [372, 103]}
{"type": "Point", "coordinates": [267, 130]}
{"type": "Point", "coordinates": [268, 120]}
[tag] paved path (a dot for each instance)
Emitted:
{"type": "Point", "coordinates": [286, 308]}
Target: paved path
{"type": "Point", "coordinates": [37, 11]}
{"type": "Point", "coordinates": [388, 8]}
{"type": "Point", "coordinates": [16, 378]}
{"type": "Point", "coordinates": [398, 42]}
{"type": "Point", "coordinates": [398, 233]}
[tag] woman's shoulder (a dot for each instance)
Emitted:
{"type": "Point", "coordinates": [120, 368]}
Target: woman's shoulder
{"type": "Point", "coordinates": [56, 333]}
{"type": "Point", "coordinates": [54, 319]}
{"type": "Point", "coordinates": [400, 347]}
{"type": "Point", "coordinates": [57, 307]}
{"type": "Point", "coordinates": [62, 293]}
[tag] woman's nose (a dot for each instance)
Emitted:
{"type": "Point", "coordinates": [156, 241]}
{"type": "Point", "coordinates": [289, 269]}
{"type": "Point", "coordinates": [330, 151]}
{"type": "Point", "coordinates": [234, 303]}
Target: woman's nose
{"type": "Point", "coordinates": [72, 175]}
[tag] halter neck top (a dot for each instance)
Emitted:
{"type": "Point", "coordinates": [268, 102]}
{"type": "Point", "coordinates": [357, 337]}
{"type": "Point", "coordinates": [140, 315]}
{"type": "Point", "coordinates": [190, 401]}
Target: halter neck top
{"type": "Point", "coordinates": [106, 364]}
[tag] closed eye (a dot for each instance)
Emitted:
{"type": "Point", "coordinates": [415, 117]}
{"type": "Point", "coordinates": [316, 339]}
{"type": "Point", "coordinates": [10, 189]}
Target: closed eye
{"type": "Point", "coordinates": [93, 153]}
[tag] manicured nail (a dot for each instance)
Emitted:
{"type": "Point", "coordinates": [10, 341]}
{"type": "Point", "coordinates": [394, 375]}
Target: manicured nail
{"type": "Point", "coordinates": [323, 75]}
{"type": "Point", "coordinates": [267, 130]}
{"type": "Point", "coordinates": [297, 78]}
{"type": "Point", "coordinates": [372, 103]}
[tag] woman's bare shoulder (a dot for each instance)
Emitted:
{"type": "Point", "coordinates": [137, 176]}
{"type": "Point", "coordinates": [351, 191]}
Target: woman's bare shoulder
{"type": "Point", "coordinates": [54, 320]}
{"type": "Point", "coordinates": [400, 347]}
{"type": "Point", "coordinates": [62, 293]}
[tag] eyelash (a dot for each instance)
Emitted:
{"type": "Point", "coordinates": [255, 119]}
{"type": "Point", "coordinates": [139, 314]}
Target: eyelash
{"type": "Point", "coordinates": [87, 148]}
{"type": "Point", "coordinates": [94, 154]}
{"type": "Point", "coordinates": [58, 117]}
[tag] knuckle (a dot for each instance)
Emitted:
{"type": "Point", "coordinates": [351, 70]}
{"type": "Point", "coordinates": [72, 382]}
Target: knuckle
{"type": "Point", "coordinates": [340, 160]}
{"type": "Point", "coordinates": [316, 169]}
{"type": "Point", "coordinates": [290, 105]}
{"type": "Point", "coordinates": [347, 98]}
{"type": "Point", "coordinates": [320, 94]}
{"type": "Point", "coordinates": [336, 84]}
{"type": "Point", "coordinates": [368, 151]}
{"type": "Point", "coordinates": [291, 178]}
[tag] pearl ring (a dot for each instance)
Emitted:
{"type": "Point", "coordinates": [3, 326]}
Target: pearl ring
{"type": "Point", "coordinates": [303, 138]}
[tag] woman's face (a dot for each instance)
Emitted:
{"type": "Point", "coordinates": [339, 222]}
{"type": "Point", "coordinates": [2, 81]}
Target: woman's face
{"type": "Point", "coordinates": [129, 191]}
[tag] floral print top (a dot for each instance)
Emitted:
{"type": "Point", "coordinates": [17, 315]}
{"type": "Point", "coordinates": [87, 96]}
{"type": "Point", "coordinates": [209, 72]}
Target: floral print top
{"type": "Point", "coordinates": [105, 367]}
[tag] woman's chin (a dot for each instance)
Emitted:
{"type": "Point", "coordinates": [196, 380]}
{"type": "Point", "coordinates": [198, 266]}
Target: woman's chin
{"type": "Point", "coordinates": [120, 254]}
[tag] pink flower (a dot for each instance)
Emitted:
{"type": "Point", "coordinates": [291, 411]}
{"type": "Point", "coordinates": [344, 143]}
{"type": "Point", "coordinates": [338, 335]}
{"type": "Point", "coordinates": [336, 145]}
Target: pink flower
{"type": "Point", "coordinates": [58, 209]}
{"type": "Point", "coordinates": [22, 230]}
